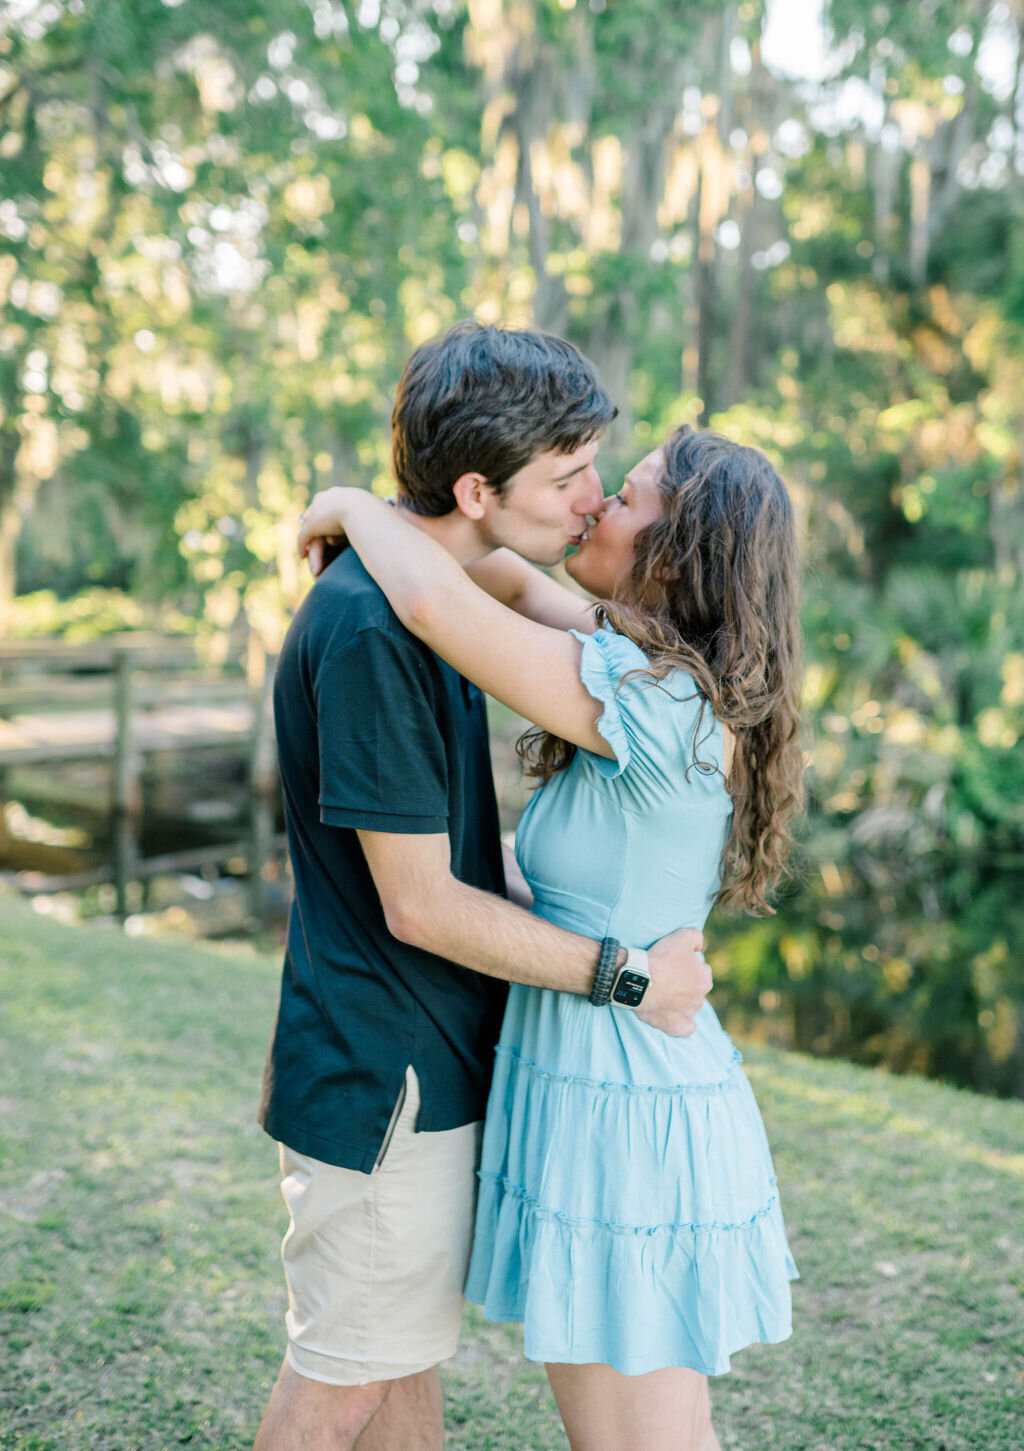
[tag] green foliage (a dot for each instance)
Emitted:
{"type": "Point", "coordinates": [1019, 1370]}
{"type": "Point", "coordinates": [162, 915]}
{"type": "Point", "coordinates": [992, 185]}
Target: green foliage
{"type": "Point", "coordinates": [230, 290]}
{"type": "Point", "coordinates": [225, 226]}
{"type": "Point", "coordinates": [898, 945]}
{"type": "Point", "coordinates": [97, 612]}
{"type": "Point", "coordinates": [91, 614]}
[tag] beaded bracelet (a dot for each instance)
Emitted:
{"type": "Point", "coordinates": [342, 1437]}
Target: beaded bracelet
{"type": "Point", "coordinates": [601, 992]}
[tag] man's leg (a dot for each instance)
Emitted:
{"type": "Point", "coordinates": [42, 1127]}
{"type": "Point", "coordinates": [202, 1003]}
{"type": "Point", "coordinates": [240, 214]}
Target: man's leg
{"type": "Point", "coordinates": [397, 1415]}
{"type": "Point", "coordinates": [411, 1418]}
{"type": "Point", "coordinates": [375, 1266]}
{"type": "Point", "coordinates": [307, 1415]}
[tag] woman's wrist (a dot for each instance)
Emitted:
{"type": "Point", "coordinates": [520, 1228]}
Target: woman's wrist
{"type": "Point", "coordinates": [344, 500]}
{"type": "Point", "coordinates": [348, 504]}
{"type": "Point", "coordinates": [331, 513]}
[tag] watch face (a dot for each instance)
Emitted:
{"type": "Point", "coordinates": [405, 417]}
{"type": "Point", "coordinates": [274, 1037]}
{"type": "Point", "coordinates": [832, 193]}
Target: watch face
{"type": "Point", "coordinates": [630, 988]}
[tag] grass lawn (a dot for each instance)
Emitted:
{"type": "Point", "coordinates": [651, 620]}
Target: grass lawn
{"type": "Point", "coordinates": [140, 1289]}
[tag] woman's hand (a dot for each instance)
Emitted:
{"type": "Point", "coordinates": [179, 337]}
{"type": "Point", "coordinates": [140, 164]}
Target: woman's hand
{"type": "Point", "coordinates": [322, 528]}
{"type": "Point", "coordinates": [317, 532]}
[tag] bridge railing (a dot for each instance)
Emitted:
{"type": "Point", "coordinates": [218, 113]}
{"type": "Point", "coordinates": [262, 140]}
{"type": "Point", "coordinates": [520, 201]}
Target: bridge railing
{"type": "Point", "coordinates": [120, 700]}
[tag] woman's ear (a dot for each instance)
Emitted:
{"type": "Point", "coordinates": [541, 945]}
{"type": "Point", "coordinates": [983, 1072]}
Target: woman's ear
{"type": "Point", "coordinates": [471, 491]}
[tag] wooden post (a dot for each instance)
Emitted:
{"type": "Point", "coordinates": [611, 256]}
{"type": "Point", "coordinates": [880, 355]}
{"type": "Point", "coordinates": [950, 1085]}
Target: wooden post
{"type": "Point", "coordinates": [3, 817]}
{"type": "Point", "coordinates": [3, 802]}
{"type": "Point", "coordinates": [262, 789]}
{"type": "Point", "coordinates": [127, 784]}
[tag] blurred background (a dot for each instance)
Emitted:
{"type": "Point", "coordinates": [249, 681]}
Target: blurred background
{"type": "Point", "coordinates": [224, 226]}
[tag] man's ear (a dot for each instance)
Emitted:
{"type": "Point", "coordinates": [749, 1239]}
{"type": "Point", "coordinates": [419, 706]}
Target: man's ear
{"type": "Point", "coordinates": [471, 494]}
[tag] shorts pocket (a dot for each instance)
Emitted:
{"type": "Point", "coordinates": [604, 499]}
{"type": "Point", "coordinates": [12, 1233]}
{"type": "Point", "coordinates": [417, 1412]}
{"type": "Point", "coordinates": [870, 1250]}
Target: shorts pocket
{"type": "Point", "coordinates": [406, 1108]}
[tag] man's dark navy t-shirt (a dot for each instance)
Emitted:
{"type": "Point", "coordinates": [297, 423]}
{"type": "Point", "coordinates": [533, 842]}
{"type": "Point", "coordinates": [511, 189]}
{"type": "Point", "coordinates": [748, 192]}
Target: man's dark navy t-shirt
{"type": "Point", "coordinates": [374, 733]}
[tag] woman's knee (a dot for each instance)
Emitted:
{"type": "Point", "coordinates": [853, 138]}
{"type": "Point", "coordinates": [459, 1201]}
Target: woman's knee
{"type": "Point", "coordinates": [603, 1410]}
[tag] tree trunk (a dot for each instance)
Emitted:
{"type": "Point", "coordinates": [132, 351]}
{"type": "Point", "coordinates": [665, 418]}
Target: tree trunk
{"type": "Point", "coordinates": [712, 206]}
{"type": "Point", "coordinates": [611, 347]}
{"type": "Point", "coordinates": [946, 184]}
{"type": "Point", "coordinates": [10, 528]}
{"type": "Point", "coordinates": [1006, 522]}
{"type": "Point", "coordinates": [10, 524]}
{"type": "Point", "coordinates": [612, 342]}
{"type": "Point", "coordinates": [1017, 103]}
{"type": "Point", "coordinates": [924, 155]}
{"type": "Point", "coordinates": [741, 362]}
{"type": "Point", "coordinates": [529, 125]}
{"type": "Point", "coordinates": [704, 294]}
{"type": "Point", "coordinates": [885, 178]}
{"type": "Point", "coordinates": [920, 197]}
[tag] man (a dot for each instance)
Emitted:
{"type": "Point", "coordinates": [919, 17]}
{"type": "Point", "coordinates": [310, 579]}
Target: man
{"type": "Point", "coordinates": [401, 940]}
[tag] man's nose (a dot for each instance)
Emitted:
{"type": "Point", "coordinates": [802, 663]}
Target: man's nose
{"type": "Point", "coordinates": [591, 495]}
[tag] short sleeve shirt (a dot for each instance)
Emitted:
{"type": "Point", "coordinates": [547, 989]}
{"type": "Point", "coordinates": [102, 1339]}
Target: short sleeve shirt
{"type": "Point", "coordinates": [374, 733]}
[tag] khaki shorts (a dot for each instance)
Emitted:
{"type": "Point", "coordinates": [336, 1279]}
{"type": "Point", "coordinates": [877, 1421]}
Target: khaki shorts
{"type": "Point", "coordinates": [375, 1263]}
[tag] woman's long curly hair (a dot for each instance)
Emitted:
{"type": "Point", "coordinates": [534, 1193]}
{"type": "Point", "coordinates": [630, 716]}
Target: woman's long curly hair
{"type": "Point", "coordinates": [715, 591]}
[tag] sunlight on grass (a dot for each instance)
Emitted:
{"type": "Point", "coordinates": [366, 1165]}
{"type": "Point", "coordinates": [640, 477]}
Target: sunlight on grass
{"type": "Point", "coordinates": [871, 1109]}
{"type": "Point", "coordinates": [140, 1224]}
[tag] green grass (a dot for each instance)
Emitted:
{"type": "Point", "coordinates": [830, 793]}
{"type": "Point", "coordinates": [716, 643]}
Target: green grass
{"type": "Point", "coordinates": [140, 1289]}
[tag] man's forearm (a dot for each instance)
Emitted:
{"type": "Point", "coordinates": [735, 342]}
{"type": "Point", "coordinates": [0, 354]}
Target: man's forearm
{"type": "Point", "coordinates": [492, 936]}
{"type": "Point", "coordinates": [426, 906]}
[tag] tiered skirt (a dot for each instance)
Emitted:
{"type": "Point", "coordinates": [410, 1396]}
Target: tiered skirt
{"type": "Point", "coordinates": [628, 1209]}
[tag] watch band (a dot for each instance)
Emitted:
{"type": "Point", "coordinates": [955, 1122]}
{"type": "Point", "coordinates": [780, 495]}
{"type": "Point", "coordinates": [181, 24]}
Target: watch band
{"type": "Point", "coordinates": [607, 964]}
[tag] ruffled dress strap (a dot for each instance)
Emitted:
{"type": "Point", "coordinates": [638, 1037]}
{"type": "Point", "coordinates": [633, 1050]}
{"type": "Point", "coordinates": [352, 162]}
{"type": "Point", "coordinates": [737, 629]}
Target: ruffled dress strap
{"type": "Point", "coordinates": [651, 725]}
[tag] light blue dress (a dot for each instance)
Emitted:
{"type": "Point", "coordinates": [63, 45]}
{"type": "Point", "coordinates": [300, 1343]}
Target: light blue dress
{"type": "Point", "coordinates": [628, 1209]}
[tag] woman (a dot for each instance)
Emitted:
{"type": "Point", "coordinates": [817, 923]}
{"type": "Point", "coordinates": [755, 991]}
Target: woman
{"type": "Point", "coordinates": [628, 1213]}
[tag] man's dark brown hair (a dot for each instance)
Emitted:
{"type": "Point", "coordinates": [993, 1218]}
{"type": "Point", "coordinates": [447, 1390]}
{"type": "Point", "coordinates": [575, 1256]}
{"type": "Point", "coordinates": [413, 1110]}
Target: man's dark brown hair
{"type": "Point", "coordinates": [487, 400]}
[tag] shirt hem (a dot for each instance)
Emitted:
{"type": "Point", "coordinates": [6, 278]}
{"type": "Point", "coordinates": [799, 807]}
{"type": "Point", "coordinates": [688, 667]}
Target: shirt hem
{"type": "Point", "coordinates": [328, 1151]}
{"type": "Point", "coordinates": [381, 821]}
{"type": "Point", "coordinates": [343, 1155]}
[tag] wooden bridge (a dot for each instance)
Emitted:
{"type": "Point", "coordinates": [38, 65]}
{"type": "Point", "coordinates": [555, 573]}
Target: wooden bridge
{"type": "Point", "coordinates": [122, 700]}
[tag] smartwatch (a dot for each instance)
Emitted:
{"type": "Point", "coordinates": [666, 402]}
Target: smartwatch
{"type": "Point", "coordinates": [632, 979]}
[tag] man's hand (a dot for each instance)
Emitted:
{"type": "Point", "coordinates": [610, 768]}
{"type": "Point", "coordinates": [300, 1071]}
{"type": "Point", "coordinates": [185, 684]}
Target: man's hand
{"type": "Point", "coordinates": [680, 983]}
{"type": "Point", "coordinates": [323, 552]}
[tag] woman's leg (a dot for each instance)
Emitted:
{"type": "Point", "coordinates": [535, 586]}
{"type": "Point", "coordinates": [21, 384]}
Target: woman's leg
{"type": "Point", "coordinates": [602, 1410]}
